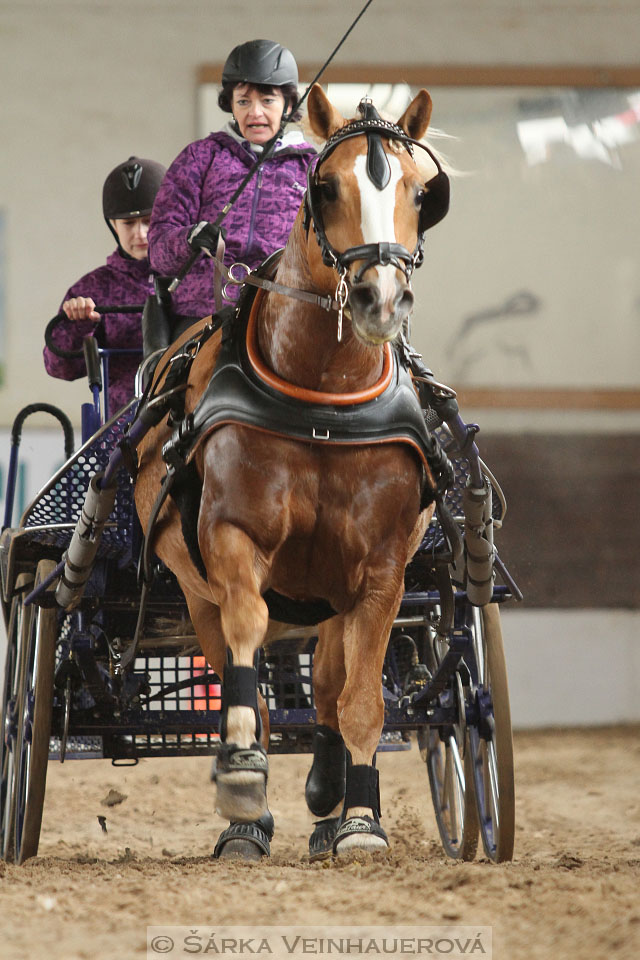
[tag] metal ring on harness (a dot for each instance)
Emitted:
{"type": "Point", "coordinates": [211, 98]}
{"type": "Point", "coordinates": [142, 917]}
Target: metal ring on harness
{"type": "Point", "coordinates": [232, 279]}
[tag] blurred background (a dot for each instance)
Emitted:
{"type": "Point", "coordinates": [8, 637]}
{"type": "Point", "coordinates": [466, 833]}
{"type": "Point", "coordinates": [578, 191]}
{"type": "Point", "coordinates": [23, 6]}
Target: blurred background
{"type": "Point", "coordinates": [528, 302]}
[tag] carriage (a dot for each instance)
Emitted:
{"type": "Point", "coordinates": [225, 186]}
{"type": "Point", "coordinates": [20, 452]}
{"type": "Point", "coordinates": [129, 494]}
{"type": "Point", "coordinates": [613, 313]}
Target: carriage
{"type": "Point", "coordinates": [117, 672]}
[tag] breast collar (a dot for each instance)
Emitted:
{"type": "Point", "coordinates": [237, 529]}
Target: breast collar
{"type": "Point", "coordinates": [245, 393]}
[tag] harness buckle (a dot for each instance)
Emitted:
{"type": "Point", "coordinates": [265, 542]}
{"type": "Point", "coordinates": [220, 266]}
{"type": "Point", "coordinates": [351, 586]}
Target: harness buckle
{"type": "Point", "coordinates": [320, 435]}
{"type": "Point", "coordinates": [341, 297]}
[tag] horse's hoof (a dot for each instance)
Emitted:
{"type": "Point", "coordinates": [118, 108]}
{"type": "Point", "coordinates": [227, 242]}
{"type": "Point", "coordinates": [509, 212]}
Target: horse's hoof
{"type": "Point", "coordinates": [241, 850]}
{"type": "Point", "coordinates": [326, 780]}
{"type": "Point", "coordinates": [241, 780]}
{"type": "Point", "coordinates": [246, 841]}
{"type": "Point", "coordinates": [360, 833]}
{"type": "Point", "coordinates": [321, 840]}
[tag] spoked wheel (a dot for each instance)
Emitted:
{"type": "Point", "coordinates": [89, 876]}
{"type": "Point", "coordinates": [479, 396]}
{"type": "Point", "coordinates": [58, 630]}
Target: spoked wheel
{"type": "Point", "coordinates": [490, 738]}
{"type": "Point", "coordinates": [37, 663]}
{"type": "Point", "coordinates": [10, 718]}
{"type": "Point", "coordinates": [446, 753]}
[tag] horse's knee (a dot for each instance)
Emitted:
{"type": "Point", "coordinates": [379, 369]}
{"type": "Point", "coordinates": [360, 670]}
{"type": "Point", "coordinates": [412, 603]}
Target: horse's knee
{"type": "Point", "coordinates": [361, 722]}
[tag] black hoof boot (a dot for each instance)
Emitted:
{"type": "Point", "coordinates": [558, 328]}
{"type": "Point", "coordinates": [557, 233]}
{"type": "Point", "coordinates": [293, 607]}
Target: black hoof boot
{"type": "Point", "coordinates": [326, 780]}
{"type": "Point", "coordinates": [361, 832]}
{"type": "Point", "coordinates": [246, 841]}
{"type": "Point", "coordinates": [321, 840]}
{"type": "Point", "coordinates": [241, 781]}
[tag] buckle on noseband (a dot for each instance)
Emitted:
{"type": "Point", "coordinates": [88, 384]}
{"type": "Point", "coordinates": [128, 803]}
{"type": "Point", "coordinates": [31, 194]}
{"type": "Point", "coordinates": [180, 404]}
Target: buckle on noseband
{"type": "Point", "coordinates": [341, 297]}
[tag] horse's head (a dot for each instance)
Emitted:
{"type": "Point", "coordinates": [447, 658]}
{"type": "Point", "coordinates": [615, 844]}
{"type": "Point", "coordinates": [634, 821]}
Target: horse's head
{"type": "Point", "coordinates": [369, 207]}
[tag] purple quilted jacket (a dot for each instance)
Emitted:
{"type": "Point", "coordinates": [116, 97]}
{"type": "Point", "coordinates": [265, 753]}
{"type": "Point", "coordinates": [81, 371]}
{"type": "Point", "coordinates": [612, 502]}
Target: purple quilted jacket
{"type": "Point", "coordinates": [120, 282]}
{"type": "Point", "coordinates": [196, 187]}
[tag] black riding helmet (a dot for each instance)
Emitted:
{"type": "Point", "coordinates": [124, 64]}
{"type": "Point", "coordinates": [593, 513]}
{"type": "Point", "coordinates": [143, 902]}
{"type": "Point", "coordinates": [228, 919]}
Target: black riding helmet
{"type": "Point", "coordinates": [130, 189]}
{"type": "Point", "coordinates": [260, 62]}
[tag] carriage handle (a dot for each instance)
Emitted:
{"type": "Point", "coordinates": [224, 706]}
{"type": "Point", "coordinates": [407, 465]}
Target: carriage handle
{"type": "Point", "coordinates": [16, 438]}
{"type": "Point", "coordinates": [77, 354]}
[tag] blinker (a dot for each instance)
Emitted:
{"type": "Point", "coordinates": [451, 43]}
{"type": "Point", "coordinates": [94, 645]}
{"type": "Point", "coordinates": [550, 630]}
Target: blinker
{"type": "Point", "coordinates": [435, 204]}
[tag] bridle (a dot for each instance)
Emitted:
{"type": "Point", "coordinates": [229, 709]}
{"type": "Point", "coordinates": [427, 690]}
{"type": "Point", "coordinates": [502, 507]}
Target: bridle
{"type": "Point", "coordinates": [435, 203]}
{"type": "Point", "coordinates": [434, 208]}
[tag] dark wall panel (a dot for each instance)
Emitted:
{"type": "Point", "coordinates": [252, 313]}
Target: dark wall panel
{"type": "Point", "coordinates": [570, 537]}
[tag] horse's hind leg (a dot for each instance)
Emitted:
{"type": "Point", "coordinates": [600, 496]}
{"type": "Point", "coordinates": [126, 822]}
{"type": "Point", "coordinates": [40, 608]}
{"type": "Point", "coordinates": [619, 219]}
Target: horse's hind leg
{"type": "Point", "coordinates": [325, 786]}
{"type": "Point", "coordinates": [230, 558]}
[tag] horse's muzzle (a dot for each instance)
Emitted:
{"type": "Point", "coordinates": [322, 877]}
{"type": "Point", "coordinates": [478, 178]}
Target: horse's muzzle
{"type": "Point", "coordinates": [376, 319]}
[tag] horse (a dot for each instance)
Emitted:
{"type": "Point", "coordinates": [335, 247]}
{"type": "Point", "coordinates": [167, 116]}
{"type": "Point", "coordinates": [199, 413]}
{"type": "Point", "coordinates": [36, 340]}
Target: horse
{"type": "Point", "coordinates": [312, 521]}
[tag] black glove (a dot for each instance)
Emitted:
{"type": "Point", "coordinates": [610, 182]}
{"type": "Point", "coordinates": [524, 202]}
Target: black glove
{"type": "Point", "coordinates": [204, 236]}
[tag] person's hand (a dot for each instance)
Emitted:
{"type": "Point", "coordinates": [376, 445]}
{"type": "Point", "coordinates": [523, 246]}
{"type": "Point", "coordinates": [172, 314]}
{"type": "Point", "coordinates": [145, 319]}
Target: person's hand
{"type": "Point", "coordinates": [204, 236]}
{"type": "Point", "coordinates": [80, 308]}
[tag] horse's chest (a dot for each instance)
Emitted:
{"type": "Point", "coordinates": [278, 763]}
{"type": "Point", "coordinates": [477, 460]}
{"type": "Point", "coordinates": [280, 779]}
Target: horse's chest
{"type": "Point", "coordinates": [298, 497]}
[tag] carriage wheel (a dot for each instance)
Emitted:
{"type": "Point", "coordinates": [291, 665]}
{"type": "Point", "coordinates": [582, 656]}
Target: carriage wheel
{"type": "Point", "coordinates": [37, 664]}
{"type": "Point", "coordinates": [491, 740]}
{"type": "Point", "coordinates": [9, 720]}
{"type": "Point", "coordinates": [446, 753]}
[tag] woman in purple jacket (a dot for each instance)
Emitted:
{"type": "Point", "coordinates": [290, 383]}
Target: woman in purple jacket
{"type": "Point", "coordinates": [127, 199]}
{"type": "Point", "coordinates": [259, 82]}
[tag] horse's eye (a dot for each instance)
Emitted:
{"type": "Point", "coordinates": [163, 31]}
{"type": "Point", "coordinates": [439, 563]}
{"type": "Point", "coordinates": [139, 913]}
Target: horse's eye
{"type": "Point", "coordinates": [327, 191]}
{"type": "Point", "coordinates": [420, 195]}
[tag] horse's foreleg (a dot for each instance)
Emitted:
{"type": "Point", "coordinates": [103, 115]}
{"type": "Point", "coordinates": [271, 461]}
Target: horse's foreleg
{"type": "Point", "coordinates": [231, 560]}
{"type": "Point", "coordinates": [205, 617]}
{"type": "Point", "coordinates": [361, 716]}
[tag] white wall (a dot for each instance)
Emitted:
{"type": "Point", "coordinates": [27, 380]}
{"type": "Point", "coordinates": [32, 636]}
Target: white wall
{"type": "Point", "coordinates": [87, 82]}
{"type": "Point", "coordinates": [572, 667]}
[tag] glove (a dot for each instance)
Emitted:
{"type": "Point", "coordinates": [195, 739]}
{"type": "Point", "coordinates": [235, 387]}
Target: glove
{"type": "Point", "coordinates": [204, 236]}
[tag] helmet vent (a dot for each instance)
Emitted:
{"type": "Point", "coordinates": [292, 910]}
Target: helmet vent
{"type": "Point", "coordinates": [131, 175]}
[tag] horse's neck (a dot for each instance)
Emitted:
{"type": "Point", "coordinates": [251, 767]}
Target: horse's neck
{"type": "Point", "coordinates": [299, 342]}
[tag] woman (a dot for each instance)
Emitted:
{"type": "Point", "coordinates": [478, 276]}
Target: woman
{"type": "Point", "coordinates": [259, 82]}
{"type": "Point", "coordinates": [127, 199]}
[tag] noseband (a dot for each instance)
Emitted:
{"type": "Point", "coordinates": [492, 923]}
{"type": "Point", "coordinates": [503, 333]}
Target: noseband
{"type": "Point", "coordinates": [435, 203]}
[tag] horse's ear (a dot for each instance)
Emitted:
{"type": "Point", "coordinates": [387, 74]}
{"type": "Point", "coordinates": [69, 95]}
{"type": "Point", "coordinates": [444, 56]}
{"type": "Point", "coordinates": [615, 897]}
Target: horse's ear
{"type": "Point", "coordinates": [323, 116]}
{"type": "Point", "coordinates": [415, 120]}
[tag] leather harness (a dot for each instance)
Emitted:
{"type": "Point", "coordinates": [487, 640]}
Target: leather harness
{"type": "Point", "coordinates": [241, 391]}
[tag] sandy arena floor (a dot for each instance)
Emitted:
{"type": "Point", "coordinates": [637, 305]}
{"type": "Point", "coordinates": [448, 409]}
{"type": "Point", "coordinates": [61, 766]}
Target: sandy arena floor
{"type": "Point", "coordinates": [573, 890]}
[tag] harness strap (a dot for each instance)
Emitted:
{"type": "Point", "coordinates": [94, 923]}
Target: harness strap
{"type": "Point", "coordinates": [256, 280]}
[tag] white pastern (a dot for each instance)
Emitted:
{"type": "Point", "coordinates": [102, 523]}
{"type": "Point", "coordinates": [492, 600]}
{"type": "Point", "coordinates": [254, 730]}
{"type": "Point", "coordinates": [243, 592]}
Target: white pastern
{"type": "Point", "coordinates": [377, 209]}
{"type": "Point", "coordinates": [241, 726]}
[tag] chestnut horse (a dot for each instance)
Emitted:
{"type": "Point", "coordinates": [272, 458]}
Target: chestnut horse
{"type": "Point", "coordinates": [331, 523]}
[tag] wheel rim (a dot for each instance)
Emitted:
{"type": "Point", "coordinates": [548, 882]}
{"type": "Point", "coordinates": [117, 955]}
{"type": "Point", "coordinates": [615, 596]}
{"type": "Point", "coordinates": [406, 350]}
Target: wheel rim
{"type": "Point", "coordinates": [36, 698]}
{"type": "Point", "coordinates": [490, 738]}
{"type": "Point", "coordinates": [451, 781]}
{"type": "Point", "coordinates": [10, 720]}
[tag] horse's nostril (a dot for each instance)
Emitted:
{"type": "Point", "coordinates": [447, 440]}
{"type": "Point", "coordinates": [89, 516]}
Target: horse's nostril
{"type": "Point", "coordinates": [405, 302]}
{"type": "Point", "coordinates": [364, 296]}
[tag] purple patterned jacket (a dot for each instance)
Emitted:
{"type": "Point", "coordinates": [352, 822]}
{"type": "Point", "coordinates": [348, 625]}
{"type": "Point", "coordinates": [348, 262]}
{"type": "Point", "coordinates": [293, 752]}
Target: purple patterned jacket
{"type": "Point", "coordinates": [120, 282]}
{"type": "Point", "coordinates": [196, 187]}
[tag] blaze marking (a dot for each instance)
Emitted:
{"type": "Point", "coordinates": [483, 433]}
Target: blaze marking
{"type": "Point", "coordinates": [377, 208]}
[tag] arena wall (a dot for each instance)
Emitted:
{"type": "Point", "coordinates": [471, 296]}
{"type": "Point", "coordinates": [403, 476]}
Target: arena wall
{"type": "Point", "coordinates": [86, 84]}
